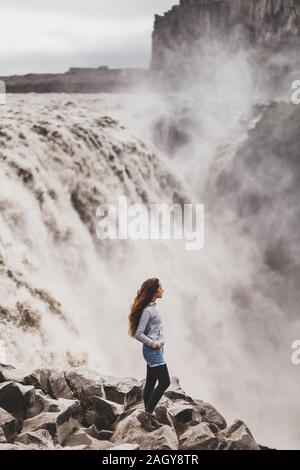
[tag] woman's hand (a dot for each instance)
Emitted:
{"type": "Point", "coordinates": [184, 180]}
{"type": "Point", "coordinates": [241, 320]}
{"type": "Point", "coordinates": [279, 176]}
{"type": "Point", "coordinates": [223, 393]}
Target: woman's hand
{"type": "Point", "coordinates": [157, 346]}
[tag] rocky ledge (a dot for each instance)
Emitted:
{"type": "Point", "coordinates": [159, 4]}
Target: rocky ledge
{"type": "Point", "coordinates": [82, 409]}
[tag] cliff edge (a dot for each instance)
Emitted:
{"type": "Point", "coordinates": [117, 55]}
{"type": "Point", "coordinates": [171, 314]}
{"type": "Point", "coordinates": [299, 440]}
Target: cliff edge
{"type": "Point", "coordinates": [81, 409]}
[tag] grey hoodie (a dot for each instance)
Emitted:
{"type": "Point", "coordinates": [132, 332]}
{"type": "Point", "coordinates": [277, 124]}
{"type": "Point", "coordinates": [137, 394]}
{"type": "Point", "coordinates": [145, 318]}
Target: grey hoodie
{"type": "Point", "coordinates": [150, 327]}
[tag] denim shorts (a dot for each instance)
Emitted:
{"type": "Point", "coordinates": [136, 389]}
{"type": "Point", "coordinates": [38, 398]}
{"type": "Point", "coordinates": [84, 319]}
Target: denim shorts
{"type": "Point", "coordinates": [152, 356]}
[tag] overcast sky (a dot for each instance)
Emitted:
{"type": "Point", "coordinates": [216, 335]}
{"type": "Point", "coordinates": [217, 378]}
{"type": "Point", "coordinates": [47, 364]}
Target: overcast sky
{"type": "Point", "coordinates": [53, 35]}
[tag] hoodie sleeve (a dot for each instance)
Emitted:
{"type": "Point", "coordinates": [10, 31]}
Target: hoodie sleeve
{"type": "Point", "coordinates": [139, 335]}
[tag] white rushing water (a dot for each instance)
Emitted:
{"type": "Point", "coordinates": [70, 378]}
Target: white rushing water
{"type": "Point", "coordinates": [65, 295]}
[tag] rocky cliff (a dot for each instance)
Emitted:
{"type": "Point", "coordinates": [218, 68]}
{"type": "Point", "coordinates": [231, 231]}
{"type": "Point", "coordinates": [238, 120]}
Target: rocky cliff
{"type": "Point", "coordinates": [81, 409]}
{"type": "Point", "coordinates": [78, 80]}
{"type": "Point", "coordinates": [271, 23]}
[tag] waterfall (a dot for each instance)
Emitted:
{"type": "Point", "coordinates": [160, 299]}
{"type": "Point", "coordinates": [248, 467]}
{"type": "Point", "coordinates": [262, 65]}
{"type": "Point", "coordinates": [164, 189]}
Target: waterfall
{"type": "Point", "coordinates": [229, 309]}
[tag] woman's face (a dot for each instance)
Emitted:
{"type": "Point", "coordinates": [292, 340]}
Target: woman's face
{"type": "Point", "coordinates": [160, 291]}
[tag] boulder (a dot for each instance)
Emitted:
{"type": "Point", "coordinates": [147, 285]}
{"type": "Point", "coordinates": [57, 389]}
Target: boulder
{"type": "Point", "coordinates": [181, 413]}
{"type": "Point", "coordinates": [40, 439]}
{"type": "Point", "coordinates": [11, 374]}
{"type": "Point", "coordinates": [68, 420]}
{"type": "Point", "coordinates": [207, 413]}
{"type": "Point", "coordinates": [59, 387]}
{"type": "Point", "coordinates": [101, 412]}
{"type": "Point", "coordinates": [42, 421]}
{"type": "Point", "coordinates": [85, 383]}
{"type": "Point", "coordinates": [238, 437]}
{"type": "Point", "coordinates": [90, 418]}
{"type": "Point", "coordinates": [8, 425]}
{"type": "Point", "coordinates": [102, 435]}
{"type": "Point", "coordinates": [199, 437]}
{"type": "Point", "coordinates": [4, 368]}
{"type": "Point", "coordinates": [163, 415]}
{"type": "Point", "coordinates": [125, 391]}
{"type": "Point", "coordinates": [62, 404]}
{"type": "Point", "coordinates": [59, 424]}
{"type": "Point", "coordinates": [39, 379]}
{"type": "Point", "coordinates": [37, 406]}
{"type": "Point", "coordinates": [44, 403]}
{"type": "Point", "coordinates": [129, 431]}
{"type": "Point", "coordinates": [81, 438]}
{"type": "Point", "coordinates": [15, 397]}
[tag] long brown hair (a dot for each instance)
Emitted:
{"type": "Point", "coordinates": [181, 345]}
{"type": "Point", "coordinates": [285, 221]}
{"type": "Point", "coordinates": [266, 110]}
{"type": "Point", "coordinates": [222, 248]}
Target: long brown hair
{"type": "Point", "coordinates": [143, 297]}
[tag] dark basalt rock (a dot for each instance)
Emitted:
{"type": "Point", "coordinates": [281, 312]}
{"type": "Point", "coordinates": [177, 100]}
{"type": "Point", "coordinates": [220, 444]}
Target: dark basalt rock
{"type": "Point", "coordinates": [102, 414]}
{"type": "Point", "coordinates": [15, 397]}
{"type": "Point", "coordinates": [188, 36]}
{"type": "Point", "coordinates": [8, 426]}
{"type": "Point", "coordinates": [271, 24]}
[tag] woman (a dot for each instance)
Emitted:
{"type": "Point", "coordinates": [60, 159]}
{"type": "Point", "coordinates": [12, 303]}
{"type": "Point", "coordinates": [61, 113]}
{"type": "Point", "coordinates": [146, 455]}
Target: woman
{"type": "Point", "coordinates": [145, 325]}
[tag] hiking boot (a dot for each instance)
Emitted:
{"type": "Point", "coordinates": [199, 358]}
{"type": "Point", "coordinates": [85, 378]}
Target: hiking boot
{"type": "Point", "coordinates": [145, 419]}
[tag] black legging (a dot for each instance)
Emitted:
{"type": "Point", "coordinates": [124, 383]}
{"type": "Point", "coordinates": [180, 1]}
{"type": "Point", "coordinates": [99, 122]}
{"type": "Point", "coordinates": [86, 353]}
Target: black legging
{"type": "Point", "coordinates": [152, 395]}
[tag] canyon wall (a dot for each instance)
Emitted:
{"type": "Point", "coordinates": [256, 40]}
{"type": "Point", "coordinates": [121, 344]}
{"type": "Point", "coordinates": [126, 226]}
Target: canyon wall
{"type": "Point", "coordinates": [273, 24]}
